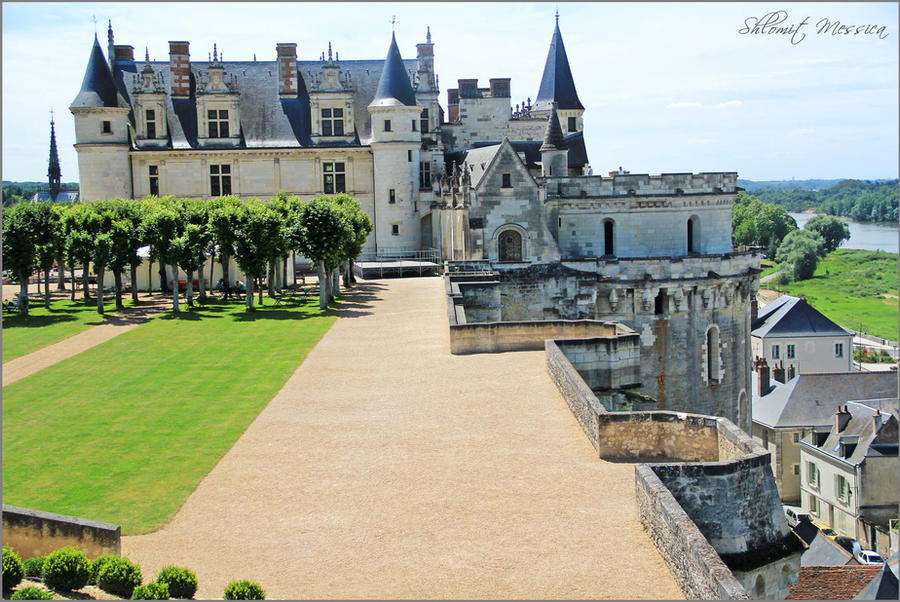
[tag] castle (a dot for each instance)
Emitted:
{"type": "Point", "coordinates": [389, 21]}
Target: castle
{"type": "Point", "coordinates": [510, 187]}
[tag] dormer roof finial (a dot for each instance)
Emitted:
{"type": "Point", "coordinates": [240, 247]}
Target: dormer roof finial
{"type": "Point", "coordinates": [557, 14]}
{"type": "Point", "coordinates": [428, 34]}
{"type": "Point", "coordinates": [329, 52]}
{"type": "Point", "coordinates": [215, 53]}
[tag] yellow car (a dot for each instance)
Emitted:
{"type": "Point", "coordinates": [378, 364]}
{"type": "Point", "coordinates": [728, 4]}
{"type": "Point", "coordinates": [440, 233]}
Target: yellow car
{"type": "Point", "coordinates": [827, 532]}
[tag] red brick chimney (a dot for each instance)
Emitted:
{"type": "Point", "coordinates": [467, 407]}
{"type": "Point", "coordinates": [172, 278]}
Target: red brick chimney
{"type": "Point", "coordinates": [124, 52]}
{"type": "Point", "coordinates": [180, 66]}
{"type": "Point", "coordinates": [791, 372]}
{"type": "Point", "coordinates": [762, 369]}
{"type": "Point", "coordinates": [778, 373]}
{"type": "Point", "coordinates": [287, 68]}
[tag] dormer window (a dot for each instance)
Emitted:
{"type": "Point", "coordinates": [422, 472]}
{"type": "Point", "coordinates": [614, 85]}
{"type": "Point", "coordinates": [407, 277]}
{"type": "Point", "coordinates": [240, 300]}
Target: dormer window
{"type": "Point", "coordinates": [218, 123]}
{"type": "Point", "coordinates": [150, 115]}
{"type": "Point", "coordinates": [107, 127]}
{"type": "Point", "coordinates": [507, 181]}
{"type": "Point", "coordinates": [571, 124]}
{"type": "Point", "coordinates": [332, 122]}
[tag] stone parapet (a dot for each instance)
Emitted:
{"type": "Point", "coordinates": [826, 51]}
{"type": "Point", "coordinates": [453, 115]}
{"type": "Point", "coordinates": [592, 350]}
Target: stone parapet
{"type": "Point", "coordinates": [35, 533]}
{"type": "Point", "coordinates": [675, 184]}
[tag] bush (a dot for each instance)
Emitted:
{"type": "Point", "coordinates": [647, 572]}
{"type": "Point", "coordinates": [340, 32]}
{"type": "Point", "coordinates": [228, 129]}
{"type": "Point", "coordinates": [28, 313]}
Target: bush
{"type": "Point", "coordinates": [244, 590]}
{"type": "Point", "coordinates": [34, 567]}
{"type": "Point", "coordinates": [182, 582]}
{"type": "Point", "coordinates": [66, 569]}
{"type": "Point", "coordinates": [31, 593]}
{"type": "Point", "coordinates": [98, 562]}
{"type": "Point", "coordinates": [13, 570]}
{"type": "Point", "coordinates": [119, 576]}
{"type": "Point", "coordinates": [151, 591]}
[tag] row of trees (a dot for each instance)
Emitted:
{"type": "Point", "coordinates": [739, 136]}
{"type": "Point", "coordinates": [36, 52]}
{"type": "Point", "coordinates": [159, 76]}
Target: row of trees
{"type": "Point", "coordinates": [860, 200]}
{"type": "Point", "coordinates": [184, 233]}
{"type": "Point", "coordinates": [769, 226]}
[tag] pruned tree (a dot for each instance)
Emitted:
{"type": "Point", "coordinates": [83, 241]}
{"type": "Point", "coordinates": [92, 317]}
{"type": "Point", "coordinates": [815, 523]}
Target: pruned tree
{"type": "Point", "coordinates": [19, 252]}
{"type": "Point", "coordinates": [362, 226]}
{"type": "Point", "coordinates": [48, 239]}
{"type": "Point", "coordinates": [325, 232]}
{"type": "Point", "coordinates": [256, 239]}
{"type": "Point", "coordinates": [164, 226]}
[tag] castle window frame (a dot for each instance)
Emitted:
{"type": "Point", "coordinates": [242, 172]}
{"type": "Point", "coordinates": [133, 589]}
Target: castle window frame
{"type": "Point", "coordinates": [713, 356]}
{"type": "Point", "coordinates": [572, 124]}
{"type": "Point", "coordinates": [609, 242]}
{"type": "Point", "coordinates": [392, 196]}
{"type": "Point", "coordinates": [150, 119]}
{"type": "Point", "coordinates": [511, 240]}
{"type": "Point", "coordinates": [414, 125]}
{"type": "Point", "coordinates": [693, 235]}
{"type": "Point", "coordinates": [332, 121]}
{"type": "Point", "coordinates": [217, 123]}
{"type": "Point", "coordinates": [153, 175]}
{"type": "Point", "coordinates": [423, 121]}
{"type": "Point", "coordinates": [387, 125]}
{"type": "Point", "coordinates": [219, 180]}
{"type": "Point", "coordinates": [334, 177]}
{"type": "Point", "coordinates": [424, 175]}
{"type": "Point", "coordinates": [506, 180]}
{"type": "Point", "coordinates": [409, 156]}
{"type": "Point", "coordinates": [106, 127]}
{"type": "Point", "coordinates": [395, 229]}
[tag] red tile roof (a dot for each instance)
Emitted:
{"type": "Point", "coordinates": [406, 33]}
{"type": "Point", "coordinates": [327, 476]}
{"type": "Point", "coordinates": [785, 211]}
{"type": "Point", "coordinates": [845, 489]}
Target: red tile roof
{"type": "Point", "coordinates": [832, 582]}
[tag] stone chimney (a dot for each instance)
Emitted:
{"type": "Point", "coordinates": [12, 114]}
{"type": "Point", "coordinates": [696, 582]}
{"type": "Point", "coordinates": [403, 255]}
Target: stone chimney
{"type": "Point", "coordinates": [791, 372]}
{"type": "Point", "coordinates": [877, 420]}
{"type": "Point", "coordinates": [124, 52]}
{"type": "Point", "coordinates": [778, 372]}
{"type": "Point", "coordinates": [452, 105]}
{"type": "Point", "coordinates": [762, 369]}
{"type": "Point", "coordinates": [180, 66]}
{"type": "Point", "coordinates": [287, 68]}
{"type": "Point", "coordinates": [841, 418]}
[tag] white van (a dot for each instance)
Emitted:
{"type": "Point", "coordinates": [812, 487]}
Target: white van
{"type": "Point", "coordinates": [796, 515]}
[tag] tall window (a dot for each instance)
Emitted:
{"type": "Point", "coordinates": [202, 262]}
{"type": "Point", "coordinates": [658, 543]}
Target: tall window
{"type": "Point", "coordinates": [812, 475]}
{"type": "Point", "coordinates": [107, 127]}
{"type": "Point", "coordinates": [395, 229]}
{"type": "Point", "coordinates": [413, 126]}
{"type": "Point", "coordinates": [334, 178]}
{"type": "Point", "coordinates": [218, 123]}
{"type": "Point", "coordinates": [387, 125]}
{"type": "Point", "coordinates": [409, 156]}
{"type": "Point", "coordinates": [151, 123]}
{"type": "Point", "coordinates": [838, 350]}
{"type": "Point", "coordinates": [791, 352]}
{"type": "Point", "coordinates": [154, 180]}
{"type": "Point", "coordinates": [219, 180]}
{"type": "Point", "coordinates": [424, 121]}
{"type": "Point", "coordinates": [332, 122]}
{"type": "Point", "coordinates": [608, 248]}
{"type": "Point", "coordinates": [571, 124]}
{"type": "Point", "coordinates": [510, 246]}
{"type": "Point", "coordinates": [712, 355]}
{"type": "Point", "coordinates": [841, 488]}
{"type": "Point", "coordinates": [392, 196]}
{"type": "Point", "coordinates": [776, 352]}
{"type": "Point", "coordinates": [425, 175]}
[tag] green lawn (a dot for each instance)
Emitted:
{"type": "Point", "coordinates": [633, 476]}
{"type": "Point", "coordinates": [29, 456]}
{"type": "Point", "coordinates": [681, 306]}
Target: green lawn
{"type": "Point", "coordinates": [42, 327]}
{"type": "Point", "coordinates": [125, 431]}
{"type": "Point", "coordinates": [855, 288]}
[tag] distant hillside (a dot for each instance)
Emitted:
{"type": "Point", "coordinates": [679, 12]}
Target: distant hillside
{"type": "Point", "coordinates": [860, 200]}
{"type": "Point", "coordinates": [15, 192]}
{"type": "Point", "coordinates": [751, 185]}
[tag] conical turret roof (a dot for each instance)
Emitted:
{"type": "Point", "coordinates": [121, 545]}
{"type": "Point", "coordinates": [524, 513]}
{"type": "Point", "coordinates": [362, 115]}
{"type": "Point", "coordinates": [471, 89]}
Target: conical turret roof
{"type": "Point", "coordinates": [394, 87]}
{"type": "Point", "coordinates": [553, 136]}
{"type": "Point", "coordinates": [98, 88]}
{"type": "Point", "coordinates": [557, 83]}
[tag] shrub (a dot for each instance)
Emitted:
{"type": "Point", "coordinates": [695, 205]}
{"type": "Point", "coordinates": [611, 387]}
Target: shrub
{"type": "Point", "coordinates": [98, 562]}
{"type": "Point", "coordinates": [244, 590]}
{"type": "Point", "coordinates": [34, 567]}
{"type": "Point", "coordinates": [182, 582]}
{"type": "Point", "coordinates": [151, 591]}
{"type": "Point", "coordinates": [66, 569]}
{"type": "Point", "coordinates": [13, 571]}
{"type": "Point", "coordinates": [31, 593]}
{"type": "Point", "coordinates": [119, 576]}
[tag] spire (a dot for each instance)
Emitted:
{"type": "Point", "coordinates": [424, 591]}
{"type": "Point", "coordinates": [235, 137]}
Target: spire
{"type": "Point", "coordinates": [98, 89]}
{"type": "Point", "coordinates": [553, 136]}
{"type": "Point", "coordinates": [394, 87]}
{"type": "Point", "coordinates": [428, 34]}
{"type": "Point", "coordinates": [557, 83]}
{"type": "Point", "coordinates": [53, 173]}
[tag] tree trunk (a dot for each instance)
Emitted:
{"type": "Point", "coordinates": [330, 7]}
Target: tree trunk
{"type": "Point", "coordinates": [270, 280]}
{"type": "Point", "coordinates": [149, 276]}
{"type": "Point", "coordinates": [100, 270]}
{"type": "Point", "coordinates": [260, 287]}
{"type": "Point", "coordinates": [118, 279]}
{"type": "Point", "coordinates": [175, 288]}
{"type": "Point", "coordinates": [84, 282]}
{"type": "Point", "coordinates": [352, 275]}
{"type": "Point", "coordinates": [72, 272]}
{"type": "Point", "coordinates": [335, 282]}
{"type": "Point", "coordinates": [200, 282]}
{"type": "Point", "coordinates": [323, 284]}
{"type": "Point", "coordinates": [47, 288]}
{"type": "Point", "coordinates": [61, 274]}
{"type": "Point", "coordinates": [23, 296]}
{"type": "Point", "coordinates": [283, 280]}
{"type": "Point", "coordinates": [345, 268]}
{"type": "Point", "coordinates": [134, 295]}
{"type": "Point", "coordinates": [294, 266]}
{"type": "Point", "coordinates": [163, 279]}
{"type": "Point", "coordinates": [225, 259]}
{"type": "Point", "coordinates": [190, 287]}
{"type": "Point", "coordinates": [249, 297]}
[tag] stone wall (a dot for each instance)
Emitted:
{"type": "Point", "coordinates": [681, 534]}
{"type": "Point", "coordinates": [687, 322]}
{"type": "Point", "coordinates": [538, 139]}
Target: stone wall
{"type": "Point", "coordinates": [606, 363]}
{"type": "Point", "coordinates": [582, 401]}
{"type": "Point", "coordinates": [495, 337]}
{"type": "Point", "coordinates": [35, 533]}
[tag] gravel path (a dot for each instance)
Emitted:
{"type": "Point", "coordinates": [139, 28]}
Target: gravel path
{"type": "Point", "coordinates": [115, 324]}
{"type": "Point", "coordinates": [388, 468]}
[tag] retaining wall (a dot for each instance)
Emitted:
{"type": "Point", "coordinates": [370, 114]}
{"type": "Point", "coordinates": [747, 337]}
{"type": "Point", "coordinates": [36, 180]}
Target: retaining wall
{"type": "Point", "coordinates": [36, 533]}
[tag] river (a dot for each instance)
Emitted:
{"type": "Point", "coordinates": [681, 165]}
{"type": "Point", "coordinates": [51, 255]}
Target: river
{"type": "Point", "coordinates": [871, 237]}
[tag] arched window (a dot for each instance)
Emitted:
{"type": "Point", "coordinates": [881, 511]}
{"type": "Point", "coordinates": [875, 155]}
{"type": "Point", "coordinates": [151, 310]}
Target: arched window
{"type": "Point", "coordinates": [786, 577]}
{"type": "Point", "coordinates": [608, 247]}
{"type": "Point", "coordinates": [510, 245]}
{"type": "Point", "coordinates": [742, 408]}
{"type": "Point", "coordinates": [693, 234]}
{"type": "Point", "coordinates": [712, 355]}
{"type": "Point", "coordinates": [760, 589]}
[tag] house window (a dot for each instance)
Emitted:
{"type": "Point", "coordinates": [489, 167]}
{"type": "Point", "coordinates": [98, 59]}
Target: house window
{"type": "Point", "coordinates": [791, 352]}
{"type": "Point", "coordinates": [395, 229]}
{"type": "Point", "coordinates": [796, 437]}
{"type": "Point", "coordinates": [424, 120]}
{"type": "Point", "coordinates": [409, 156]}
{"type": "Point", "coordinates": [571, 124]}
{"type": "Point", "coordinates": [219, 180]}
{"type": "Point", "coordinates": [413, 125]}
{"type": "Point", "coordinates": [796, 469]}
{"type": "Point", "coordinates": [151, 123]}
{"type": "Point", "coordinates": [333, 178]}
{"type": "Point", "coordinates": [425, 175]}
{"type": "Point", "coordinates": [387, 125]}
{"type": "Point", "coordinates": [776, 352]}
{"type": "Point", "coordinates": [812, 475]}
{"type": "Point", "coordinates": [838, 350]}
{"type": "Point", "coordinates": [841, 488]}
{"type": "Point", "coordinates": [107, 127]}
{"type": "Point", "coordinates": [332, 122]}
{"type": "Point", "coordinates": [218, 123]}
{"type": "Point", "coordinates": [154, 180]}
{"type": "Point", "coordinates": [814, 505]}
{"type": "Point", "coordinates": [507, 181]}
{"type": "Point", "coordinates": [392, 196]}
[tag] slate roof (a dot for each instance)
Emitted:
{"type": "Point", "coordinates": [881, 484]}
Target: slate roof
{"type": "Point", "coordinates": [860, 426]}
{"type": "Point", "coordinates": [479, 159]}
{"type": "Point", "coordinates": [64, 195]}
{"type": "Point", "coordinates": [823, 552]}
{"type": "Point", "coordinates": [531, 149]}
{"type": "Point", "coordinates": [811, 399]}
{"type": "Point", "coordinates": [394, 87]}
{"type": "Point", "coordinates": [789, 316]}
{"type": "Point", "coordinates": [267, 121]}
{"type": "Point", "coordinates": [557, 83]}
{"type": "Point", "coordinates": [98, 88]}
{"type": "Point", "coordinates": [832, 582]}
{"type": "Point", "coordinates": [553, 136]}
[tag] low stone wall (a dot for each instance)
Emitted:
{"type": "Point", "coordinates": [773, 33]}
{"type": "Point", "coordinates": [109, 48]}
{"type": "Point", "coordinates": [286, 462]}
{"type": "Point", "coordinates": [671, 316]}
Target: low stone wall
{"type": "Point", "coordinates": [605, 363]}
{"type": "Point", "coordinates": [35, 533]}
{"type": "Point", "coordinates": [494, 337]}
{"type": "Point", "coordinates": [664, 436]}
{"type": "Point", "coordinates": [582, 401]}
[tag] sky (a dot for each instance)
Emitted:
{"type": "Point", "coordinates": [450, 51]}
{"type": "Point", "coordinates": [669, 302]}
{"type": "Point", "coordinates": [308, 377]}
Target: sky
{"type": "Point", "coordinates": [667, 87]}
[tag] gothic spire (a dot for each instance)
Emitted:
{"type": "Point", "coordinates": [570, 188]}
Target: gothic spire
{"type": "Point", "coordinates": [557, 83]}
{"type": "Point", "coordinates": [394, 87]}
{"type": "Point", "coordinates": [53, 173]}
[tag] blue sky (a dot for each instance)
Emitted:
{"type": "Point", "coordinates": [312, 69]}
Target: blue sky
{"type": "Point", "coordinates": [667, 87]}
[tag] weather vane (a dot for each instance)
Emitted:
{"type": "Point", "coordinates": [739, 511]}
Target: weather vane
{"type": "Point", "coordinates": [94, 19]}
{"type": "Point", "coordinates": [51, 114]}
{"type": "Point", "coordinates": [393, 21]}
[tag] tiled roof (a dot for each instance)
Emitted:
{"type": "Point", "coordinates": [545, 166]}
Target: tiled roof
{"type": "Point", "coordinates": [98, 88]}
{"type": "Point", "coordinates": [789, 316]}
{"type": "Point", "coordinates": [832, 582]}
{"type": "Point", "coordinates": [557, 83]}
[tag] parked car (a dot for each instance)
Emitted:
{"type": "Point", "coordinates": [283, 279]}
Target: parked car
{"type": "Point", "coordinates": [848, 543]}
{"type": "Point", "coordinates": [828, 532]}
{"type": "Point", "coordinates": [868, 557]}
{"type": "Point", "coordinates": [795, 515]}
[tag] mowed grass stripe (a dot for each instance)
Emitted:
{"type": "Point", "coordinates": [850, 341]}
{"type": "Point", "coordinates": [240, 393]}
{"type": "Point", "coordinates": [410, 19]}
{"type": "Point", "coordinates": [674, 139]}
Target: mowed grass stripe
{"type": "Point", "coordinates": [125, 431]}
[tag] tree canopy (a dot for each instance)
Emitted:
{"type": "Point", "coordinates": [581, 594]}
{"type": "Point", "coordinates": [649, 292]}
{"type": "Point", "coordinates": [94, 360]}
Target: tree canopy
{"type": "Point", "coordinates": [800, 252]}
{"type": "Point", "coordinates": [832, 230]}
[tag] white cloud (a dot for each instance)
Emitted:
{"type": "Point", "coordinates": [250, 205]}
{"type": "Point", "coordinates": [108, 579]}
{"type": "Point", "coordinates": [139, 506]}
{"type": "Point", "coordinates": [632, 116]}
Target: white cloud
{"type": "Point", "coordinates": [684, 105]}
{"type": "Point", "coordinates": [729, 104]}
